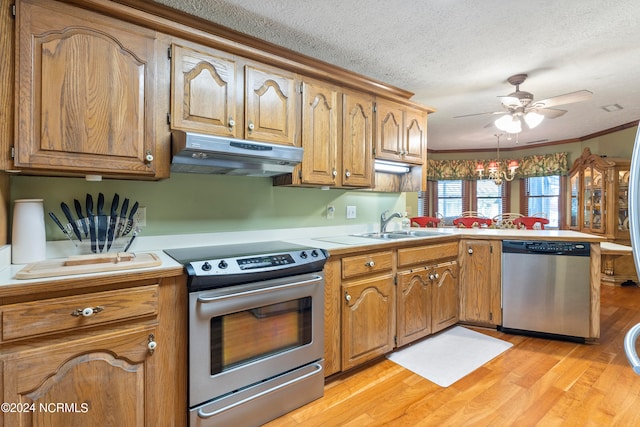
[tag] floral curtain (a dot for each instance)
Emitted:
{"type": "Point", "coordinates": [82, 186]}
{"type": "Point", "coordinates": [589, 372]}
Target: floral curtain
{"type": "Point", "coordinates": [538, 165]}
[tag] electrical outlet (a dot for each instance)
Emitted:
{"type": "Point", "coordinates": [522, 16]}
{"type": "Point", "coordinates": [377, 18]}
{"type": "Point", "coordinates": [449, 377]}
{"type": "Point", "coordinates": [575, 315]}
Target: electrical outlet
{"type": "Point", "coordinates": [331, 210]}
{"type": "Point", "coordinates": [140, 216]}
{"type": "Point", "coordinates": [351, 212]}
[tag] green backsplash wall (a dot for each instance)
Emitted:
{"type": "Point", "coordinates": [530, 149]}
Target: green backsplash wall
{"type": "Point", "coordinates": [196, 203]}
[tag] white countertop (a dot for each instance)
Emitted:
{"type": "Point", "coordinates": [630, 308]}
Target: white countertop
{"type": "Point", "coordinates": [321, 237]}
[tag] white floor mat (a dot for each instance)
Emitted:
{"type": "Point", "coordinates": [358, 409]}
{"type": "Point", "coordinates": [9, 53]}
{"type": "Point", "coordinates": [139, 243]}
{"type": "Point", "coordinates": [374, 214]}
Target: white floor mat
{"type": "Point", "coordinates": [449, 355]}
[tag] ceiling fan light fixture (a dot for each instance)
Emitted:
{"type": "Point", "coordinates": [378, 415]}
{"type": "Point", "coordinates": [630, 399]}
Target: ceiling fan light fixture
{"type": "Point", "coordinates": [533, 119]}
{"type": "Point", "coordinates": [509, 124]}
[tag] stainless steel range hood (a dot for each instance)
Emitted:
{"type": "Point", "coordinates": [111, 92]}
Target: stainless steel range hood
{"type": "Point", "coordinates": [200, 153]}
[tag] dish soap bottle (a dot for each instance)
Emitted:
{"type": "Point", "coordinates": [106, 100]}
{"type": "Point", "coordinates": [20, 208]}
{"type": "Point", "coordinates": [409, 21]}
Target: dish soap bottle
{"type": "Point", "coordinates": [406, 222]}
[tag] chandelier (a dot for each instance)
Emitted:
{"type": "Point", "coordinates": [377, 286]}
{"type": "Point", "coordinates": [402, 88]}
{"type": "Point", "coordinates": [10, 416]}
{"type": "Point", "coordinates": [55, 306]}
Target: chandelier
{"type": "Point", "coordinates": [495, 168]}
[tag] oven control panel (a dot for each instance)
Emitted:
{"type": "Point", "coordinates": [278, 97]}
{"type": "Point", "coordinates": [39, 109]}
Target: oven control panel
{"type": "Point", "coordinates": [265, 261]}
{"type": "Point", "coordinates": [254, 265]}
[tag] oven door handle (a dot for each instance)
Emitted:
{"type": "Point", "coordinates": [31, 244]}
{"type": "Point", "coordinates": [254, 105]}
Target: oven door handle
{"type": "Point", "coordinates": [317, 366]}
{"type": "Point", "coordinates": [234, 295]}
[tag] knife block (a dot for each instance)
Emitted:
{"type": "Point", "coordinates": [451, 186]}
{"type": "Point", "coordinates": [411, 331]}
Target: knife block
{"type": "Point", "coordinates": [118, 244]}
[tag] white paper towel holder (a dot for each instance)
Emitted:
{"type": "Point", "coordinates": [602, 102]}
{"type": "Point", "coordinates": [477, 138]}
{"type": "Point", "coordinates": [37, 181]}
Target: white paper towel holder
{"type": "Point", "coordinates": [28, 237]}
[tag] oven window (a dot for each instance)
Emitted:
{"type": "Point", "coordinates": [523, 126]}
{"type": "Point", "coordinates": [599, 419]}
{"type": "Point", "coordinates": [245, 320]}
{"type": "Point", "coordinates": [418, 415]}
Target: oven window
{"type": "Point", "coordinates": [248, 335]}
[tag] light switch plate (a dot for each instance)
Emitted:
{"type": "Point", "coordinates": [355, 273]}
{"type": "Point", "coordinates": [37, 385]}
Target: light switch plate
{"type": "Point", "coordinates": [351, 212]}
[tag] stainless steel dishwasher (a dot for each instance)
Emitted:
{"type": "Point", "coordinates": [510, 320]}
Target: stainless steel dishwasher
{"type": "Point", "coordinates": [546, 288]}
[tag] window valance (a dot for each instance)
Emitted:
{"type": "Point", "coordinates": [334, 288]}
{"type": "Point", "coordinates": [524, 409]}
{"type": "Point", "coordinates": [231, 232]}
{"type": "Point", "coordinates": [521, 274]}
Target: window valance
{"type": "Point", "coordinates": [537, 165]}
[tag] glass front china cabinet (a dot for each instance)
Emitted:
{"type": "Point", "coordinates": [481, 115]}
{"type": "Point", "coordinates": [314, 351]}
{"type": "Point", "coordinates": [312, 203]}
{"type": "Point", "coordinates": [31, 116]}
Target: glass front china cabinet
{"type": "Point", "coordinates": [598, 192]}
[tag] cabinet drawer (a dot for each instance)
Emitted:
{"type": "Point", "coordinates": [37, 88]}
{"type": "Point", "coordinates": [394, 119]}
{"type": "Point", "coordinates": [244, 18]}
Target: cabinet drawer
{"type": "Point", "coordinates": [368, 263]}
{"type": "Point", "coordinates": [427, 254]}
{"type": "Point", "coordinates": [33, 318]}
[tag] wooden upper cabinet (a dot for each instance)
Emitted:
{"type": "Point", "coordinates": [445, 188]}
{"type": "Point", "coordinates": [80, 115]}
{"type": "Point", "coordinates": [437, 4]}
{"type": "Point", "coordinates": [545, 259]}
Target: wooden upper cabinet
{"type": "Point", "coordinates": [389, 128]}
{"type": "Point", "coordinates": [357, 139]}
{"type": "Point", "coordinates": [271, 105]}
{"type": "Point", "coordinates": [204, 92]}
{"type": "Point", "coordinates": [320, 134]}
{"type": "Point", "coordinates": [401, 132]}
{"type": "Point", "coordinates": [337, 129]}
{"type": "Point", "coordinates": [415, 135]}
{"type": "Point", "coordinates": [85, 92]}
{"type": "Point", "coordinates": [217, 93]}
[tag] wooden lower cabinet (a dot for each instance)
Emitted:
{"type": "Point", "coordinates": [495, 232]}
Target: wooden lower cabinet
{"type": "Point", "coordinates": [388, 299]}
{"type": "Point", "coordinates": [427, 301]}
{"type": "Point", "coordinates": [122, 363]}
{"type": "Point", "coordinates": [415, 290]}
{"type": "Point", "coordinates": [444, 299]}
{"type": "Point", "coordinates": [101, 380]}
{"type": "Point", "coordinates": [368, 319]}
{"type": "Point", "coordinates": [480, 278]}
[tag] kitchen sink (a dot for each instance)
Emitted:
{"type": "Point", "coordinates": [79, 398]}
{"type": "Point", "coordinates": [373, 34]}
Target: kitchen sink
{"type": "Point", "coordinates": [400, 234]}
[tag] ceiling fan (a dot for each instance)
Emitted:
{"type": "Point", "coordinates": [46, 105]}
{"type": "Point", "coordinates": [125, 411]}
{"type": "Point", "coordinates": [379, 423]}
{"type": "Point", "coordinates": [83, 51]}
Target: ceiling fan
{"type": "Point", "coordinates": [521, 109]}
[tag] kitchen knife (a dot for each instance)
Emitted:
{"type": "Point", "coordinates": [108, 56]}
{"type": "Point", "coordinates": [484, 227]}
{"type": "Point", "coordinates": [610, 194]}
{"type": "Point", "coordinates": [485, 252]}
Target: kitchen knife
{"type": "Point", "coordinates": [122, 219]}
{"type": "Point", "coordinates": [91, 222]}
{"type": "Point", "coordinates": [59, 224]}
{"type": "Point", "coordinates": [67, 213]}
{"type": "Point", "coordinates": [112, 220]}
{"type": "Point", "coordinates": [133, 237]}
{"type": "Point", "coordinates": [78, 207]}
{"type": "Point", "coordinates": [102, 223]}
{"type": "Point", "coordinates": [129, 226]}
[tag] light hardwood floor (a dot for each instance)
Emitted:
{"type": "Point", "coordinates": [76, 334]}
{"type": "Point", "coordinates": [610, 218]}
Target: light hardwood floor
{"type": "Point", "coordinates": [537, 382]}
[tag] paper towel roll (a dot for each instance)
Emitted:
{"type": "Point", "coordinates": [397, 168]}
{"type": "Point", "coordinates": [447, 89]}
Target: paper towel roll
{"type": "Point", "coordinates": [28, 238]}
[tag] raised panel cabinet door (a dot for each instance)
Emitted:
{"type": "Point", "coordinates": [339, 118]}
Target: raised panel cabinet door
{"type": "Point", "coordinates": [415, 137]}
{"type": "Point", "coordinates": [480, 282]}
{"type": "Point", "coordinates": [357, 140]}
{"type": "Point", "coordinates": [445, 306]}
{"type": "Point", "coordinates": [271, 106]}
{"type": "Point", "coordinates": [368, 319]}
{"type": "Point", "coordinates": [102, 380]}
{"type": "Point", "coordinates": [203, 92]}
{"type": "Point", "coordinates": [85, 95]}
{"type": "Point", "coordinates": [389, 131]}
{"type": "Point", "coordinates": [414, 306]}
{"type": "Point", "coordinates": [320, 134]}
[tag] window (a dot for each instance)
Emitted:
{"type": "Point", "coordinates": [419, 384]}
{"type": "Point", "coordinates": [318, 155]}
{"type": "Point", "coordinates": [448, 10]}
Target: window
{"type": "Point", "coordinates": [450, 199]}
{"type": "Point", "coordinates": [543, 196]}
{"type": "Point", "coordinates": [488, 198]}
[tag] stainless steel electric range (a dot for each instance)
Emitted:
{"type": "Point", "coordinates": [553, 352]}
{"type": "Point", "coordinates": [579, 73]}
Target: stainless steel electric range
{"type": "Point", "coordinates": [256, 330]}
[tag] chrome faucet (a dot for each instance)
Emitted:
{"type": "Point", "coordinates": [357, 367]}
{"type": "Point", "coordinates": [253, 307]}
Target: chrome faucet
{"type": "Point", "coordinates": [384, 220]}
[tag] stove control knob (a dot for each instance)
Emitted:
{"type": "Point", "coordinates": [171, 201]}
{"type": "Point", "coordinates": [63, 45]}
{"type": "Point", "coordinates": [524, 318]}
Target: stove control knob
{"type": "Point", "coordinates": [303, 255]}
{"type": "Point", "coordinates": [206, 266]}
{"type": "Point", "coordinates": [314, 253]}
{"type": "Point", "coordinates": [223, 264]}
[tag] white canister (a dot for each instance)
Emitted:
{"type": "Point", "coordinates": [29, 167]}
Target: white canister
{"type": "Point", "coordinates": [28, 238]}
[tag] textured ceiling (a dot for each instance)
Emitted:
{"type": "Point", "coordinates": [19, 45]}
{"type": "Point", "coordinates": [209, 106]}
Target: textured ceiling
{"type": "Point", "coordinates": [456, 55]}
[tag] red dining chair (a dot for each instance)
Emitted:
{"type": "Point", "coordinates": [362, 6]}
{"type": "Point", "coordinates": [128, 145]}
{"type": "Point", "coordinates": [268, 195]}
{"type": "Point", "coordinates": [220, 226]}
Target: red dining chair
{"type": "Point", "coordinates": [426, 221]}
{"type": "Point", "coordinates": [529, 222]}
{"type": "Point", "coordinates": [471, 222]}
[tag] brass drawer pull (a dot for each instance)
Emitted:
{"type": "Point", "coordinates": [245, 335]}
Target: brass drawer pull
{"type": "Point", "coordinates": [86, 312]}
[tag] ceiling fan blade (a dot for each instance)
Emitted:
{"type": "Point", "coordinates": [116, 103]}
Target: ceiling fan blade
{"type": "Point", "coordinates": [567, 98]}
{"type": "Point", "coordinates": [550, 113]}
{"type": "Point", "coordinates": [481, 114]}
